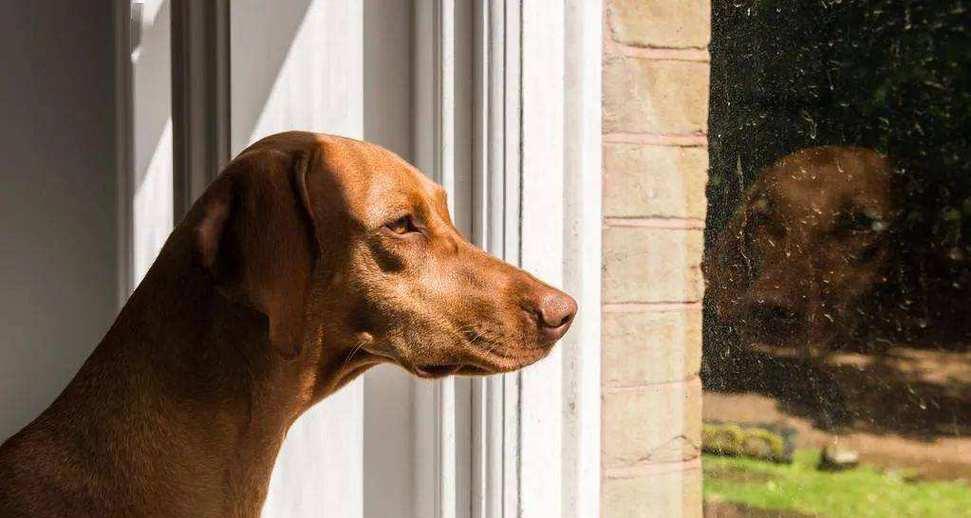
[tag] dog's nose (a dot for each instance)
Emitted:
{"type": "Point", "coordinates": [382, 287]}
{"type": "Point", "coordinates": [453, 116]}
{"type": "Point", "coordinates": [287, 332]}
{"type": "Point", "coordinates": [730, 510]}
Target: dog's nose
{"type": "Point", "coordinates": [554, 314]}
{"type": "Point", "coordinates": [774, 315]}
{"type": "Point", "coordinates": [774, 312]}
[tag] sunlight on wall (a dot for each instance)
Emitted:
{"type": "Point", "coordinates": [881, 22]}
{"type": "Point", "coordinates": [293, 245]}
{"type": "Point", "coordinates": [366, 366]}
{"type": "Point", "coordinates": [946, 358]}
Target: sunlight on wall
{"type": "Point", "coordinates": [152, 185]}
{"type": "Point", "coordinates": [152, 207]}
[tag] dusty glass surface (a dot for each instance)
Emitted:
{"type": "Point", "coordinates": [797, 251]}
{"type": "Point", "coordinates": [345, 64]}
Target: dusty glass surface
{"type": "Point", "coordinates": [837, 354]}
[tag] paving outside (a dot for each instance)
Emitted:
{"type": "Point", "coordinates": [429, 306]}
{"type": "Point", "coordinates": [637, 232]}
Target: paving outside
{"type": "Point", "coordinates": [906, 411]}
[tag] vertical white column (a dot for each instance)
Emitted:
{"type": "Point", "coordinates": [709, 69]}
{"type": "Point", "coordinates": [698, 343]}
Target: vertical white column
{"type": "Point", "coordinates": [512, 120]}
{"type": "Point", "coordinates": [482, 484]}
{"type": "Point", "coordinates": [582, 257]}
{"type": "Point", "coordinates": [542, 220]}
{"type": "Point", "coordinates": [444, 173]}
{"type": "Point", "coordinates": [299, 65]}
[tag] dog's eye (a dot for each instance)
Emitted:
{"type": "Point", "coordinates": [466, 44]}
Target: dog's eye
{"type": "Point", "coordinates": [401, 226]}
{"type": "Point", "coordinates": [857, 222]}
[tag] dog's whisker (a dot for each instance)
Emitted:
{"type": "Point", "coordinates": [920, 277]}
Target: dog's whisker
{"type": "Point", "coordinates": [354, 352]}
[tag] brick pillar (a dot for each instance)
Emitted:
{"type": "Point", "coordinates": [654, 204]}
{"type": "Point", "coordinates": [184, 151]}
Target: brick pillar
{"type": "Point", "coordinates": [655, 111]}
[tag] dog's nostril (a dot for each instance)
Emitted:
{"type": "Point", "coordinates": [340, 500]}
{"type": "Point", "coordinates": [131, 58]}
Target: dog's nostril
{"type": "Point", "coordinates": [556, 310]}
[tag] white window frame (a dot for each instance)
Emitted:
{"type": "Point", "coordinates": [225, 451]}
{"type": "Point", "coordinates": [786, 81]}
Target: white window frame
{"type": "Point", "coordinates": [533, 180]}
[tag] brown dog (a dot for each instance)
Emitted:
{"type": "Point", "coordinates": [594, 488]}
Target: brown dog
{"type": "Point", "coordinates": [810, 239]}
{"type": "Point", "coordinates": [310, 259]}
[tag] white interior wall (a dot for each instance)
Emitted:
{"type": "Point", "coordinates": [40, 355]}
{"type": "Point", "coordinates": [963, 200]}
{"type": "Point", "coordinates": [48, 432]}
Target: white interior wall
{"type": "Point", "coordinates": [58, 232]}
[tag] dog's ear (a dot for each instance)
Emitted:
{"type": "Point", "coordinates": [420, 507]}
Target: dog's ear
{"type": "Point", "coordinates": [726, 263]}
{"type": "Point", "coordinates": [252, 233]}
{"type": "Point", "coordinates": [214, 207]}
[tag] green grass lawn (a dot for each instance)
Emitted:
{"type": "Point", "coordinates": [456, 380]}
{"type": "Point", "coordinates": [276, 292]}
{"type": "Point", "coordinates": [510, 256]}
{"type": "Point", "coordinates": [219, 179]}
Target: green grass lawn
{"type": "Point", "coordinates": [859, 493]}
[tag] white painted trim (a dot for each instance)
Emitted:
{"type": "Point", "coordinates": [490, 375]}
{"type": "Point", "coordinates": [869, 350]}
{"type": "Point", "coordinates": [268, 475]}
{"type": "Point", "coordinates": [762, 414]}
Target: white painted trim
{"type": "Point", "coordinates": [444, 173]}
{"type": "Point", "coordinates": [541, 403]}
{"type": "Point", "coordinates": [582, 254]}
{"type": "Point", "coordinates": [534, 186]}
{"type": "Point", "coordinates": [561, 243]}
{"type": "Point", "coordinates": [511, 124]}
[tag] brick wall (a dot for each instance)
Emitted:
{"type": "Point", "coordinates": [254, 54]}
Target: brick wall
{"type": "Point", "coordinates": [655, 110]}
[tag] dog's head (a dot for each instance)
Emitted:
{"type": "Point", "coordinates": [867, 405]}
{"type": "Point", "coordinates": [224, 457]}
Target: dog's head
{"type": "Point", "coordinates": [350, 253]}
{"type": "Point", "coordinates": [811, 237]}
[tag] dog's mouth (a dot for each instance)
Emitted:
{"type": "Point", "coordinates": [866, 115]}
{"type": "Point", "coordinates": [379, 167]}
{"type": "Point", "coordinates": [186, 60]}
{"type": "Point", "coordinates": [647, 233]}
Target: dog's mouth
{"type": "Point", "coordinates": [441, 371]}
{"type": "Point", "coordinates": [437, 371]}
{"type": "Point", "coordinates": [480, 353]}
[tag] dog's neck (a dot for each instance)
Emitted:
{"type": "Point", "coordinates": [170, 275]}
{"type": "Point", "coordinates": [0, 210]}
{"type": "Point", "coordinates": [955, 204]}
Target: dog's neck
{"type": "Point", "coordinates": [198, 409]}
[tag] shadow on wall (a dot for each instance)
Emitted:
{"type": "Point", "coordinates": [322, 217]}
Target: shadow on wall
{"type": "Point", "coordinates": [58, 253]}
{"type": "Point", "coordinates": [59, 195]}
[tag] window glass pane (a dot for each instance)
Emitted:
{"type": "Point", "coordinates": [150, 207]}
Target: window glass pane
{"type": "Point", "coordinates": [837, 258]}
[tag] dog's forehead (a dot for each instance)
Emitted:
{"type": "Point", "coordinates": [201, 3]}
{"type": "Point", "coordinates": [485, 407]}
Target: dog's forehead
{"type": "Point", "coordinates": [375, 181]}
{"type": "Point", "coordinates": [827, 185]}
